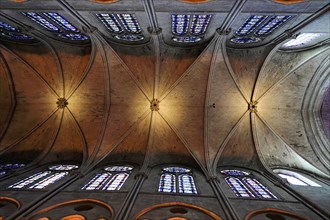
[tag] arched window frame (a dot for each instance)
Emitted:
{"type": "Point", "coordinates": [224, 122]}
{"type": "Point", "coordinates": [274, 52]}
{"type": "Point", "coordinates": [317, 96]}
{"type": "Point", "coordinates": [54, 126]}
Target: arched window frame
{"type": "Point", "coordinates": [296, 178]}
{"type": "Point", "coordinates": [174, 179]}
{"type": "Point", "coordinates": [44, 178]}
{"type": "Point", "coordinates": [57, 24]}
{"type": "Point", "coordinates": [111, 178]}
{"type": "Point", "coordinates": [246, 185]}
{"type": "Point", "coordinates": [189, 28]}
{"type": "Point", "coordinates": [257, 27]}
{"type": "Point", "coordinates": [122, 26]}
{"type": "Point", "coordinates": [12, 32]}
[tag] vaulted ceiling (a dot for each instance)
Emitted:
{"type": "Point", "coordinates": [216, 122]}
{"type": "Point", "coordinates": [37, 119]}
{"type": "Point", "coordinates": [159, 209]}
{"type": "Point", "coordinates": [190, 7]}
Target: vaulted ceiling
{"type": "Point", "coordinates": [161, 101]}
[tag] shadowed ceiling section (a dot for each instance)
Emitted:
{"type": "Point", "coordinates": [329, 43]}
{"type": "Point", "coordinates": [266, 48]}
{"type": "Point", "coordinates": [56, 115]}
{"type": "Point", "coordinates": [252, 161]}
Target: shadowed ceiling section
{"type": "Point", "coordinates": [33, 106]}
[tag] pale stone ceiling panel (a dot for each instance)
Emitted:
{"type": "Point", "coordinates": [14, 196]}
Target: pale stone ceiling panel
{"type": "Point", "coordinates": [69, 144]}
{"type": "Point", "coordinates": [239, 149]}
{"type": "Point", "coordinates": [275, 152]}
{"type": "Point", "coordinates": [246, 65]}
{"type": "Point", "coordinates": [44, 60]}
{"type": "Point", "coordinates": [32, 147]}
{"type": "Point", "coordinates": [283, 103]}
{"type": "Point", "coordinates": [229, 105]}
{"type": "Point", "coordinates": [271, 72]}
{"type": "Point", "coordinates": [174, 62]}
{"type": "Point", "coordinates": [33, 105]}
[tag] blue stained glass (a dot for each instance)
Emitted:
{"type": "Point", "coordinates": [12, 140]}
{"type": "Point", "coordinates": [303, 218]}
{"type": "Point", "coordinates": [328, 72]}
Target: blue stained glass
{"type": "Point", "coordinates": [60, 20]}
{"type": "Point", "coordinates": [187, 39]}
{"type": "Point", "coordinates": [42, 21]}
{"type": "Point", "coordinates": [63, 167]}
{"type": "Point", "coordinates": [187, 184]}
{"type": "Point", "coordinates": [250, 24]}
{"type": "Point", "coordinates": [167, 183]}
{"type": "Point", "coordinates": [116, 182]}
{"type": "Point", "coordinates": [110, 22]}
{"type": "Point", "coordinates": [129, 37]}
{"type": "Point", "coordinates": [176, 170]}
{"type": "Point", "coordinates": [118, 168]}
{"type": "Point", "coordinates": [16, 36]}
{"type": "Point", "coordinates": [235, 172]}
{"type": "Point", "coordinates": [29, 180]}
{"type": "Point", "coordinates": [180, 23]}
{"type": "Point", "coordinates": [245, 40]}
{"type": "Point", "coordinates": [200, 24]}
{"type": "Point", "coordinates": [49, 180]}
{"type": "Point", "coordinates": [130, 23]}
{"type": "Point", "coordinates": [273, 23]}
{"type": "Point", "coordinates": [260, 190]}
{"type": "Point", "coordinates": [3, 172]}
{"type": "Point", "coordinates": [7, 27]}
{"type": "Point", "coordinates": [4, 168]}
{"type": "Point", "coordinates": [238, 187]}
{"type": "Point", "coordinates": [97, 182]}
{"type": "Point", "coordinates": [76, 37]}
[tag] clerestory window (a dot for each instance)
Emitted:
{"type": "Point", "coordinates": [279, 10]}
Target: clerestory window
{"type": "Point", "coordinates": [295, 178]}
{"type": "Point", "coordinates": [243, 184]}
{"type": "Point", "coordinates": [177, 179]}
{"type": "Point", "coordinates": [13, 33]}
{"type": "Point", "coordinates": [5, 168]}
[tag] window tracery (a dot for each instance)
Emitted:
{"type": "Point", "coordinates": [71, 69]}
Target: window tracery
{"type": "Point", "coordinates": [56, 23]}
{"type": "Point", "coordinates": [177, 179]}
{"type": "Point", "coordinates": [257, 27]}
{"type": "Point", "coordinates": [4, 168]}
{"type": "Point", "coordinates": [243, 184]}
{"type": "Point", "coordinates": [11, 32]}
{"type": "Point", "coordinates": [44, 178]}
{"type": "Point", "coordinates": [188, 28]}
{"type": "Point", "coordinates": [112, 178]}
{"type": "Point", "coordinates": [124, 27]}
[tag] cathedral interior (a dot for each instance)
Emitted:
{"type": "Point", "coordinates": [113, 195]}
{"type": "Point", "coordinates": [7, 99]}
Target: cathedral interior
{"type": "Point", "coordinates": [164, 109]}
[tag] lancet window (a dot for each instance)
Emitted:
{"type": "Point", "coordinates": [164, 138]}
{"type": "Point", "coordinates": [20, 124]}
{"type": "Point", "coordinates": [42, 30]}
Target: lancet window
{"type": "Point", "coordinates": [177, 179]}
{"type": "Point", "coordinates": [122, 26]}
{"type": "Point", "coordinates": [187, 28]}
{"type": "Point", "coordinates": [111, 178]}
{"type": "Point", "coordinates": [243, 184]}
{"type": "Point", "coordinates": [56, 23]}
{"type": "Point", "coordinates": [257, 27]}
{"type": "Point", "coordinates": [11, 32]}
{"type": "Point", "coordinates": [44, 178]}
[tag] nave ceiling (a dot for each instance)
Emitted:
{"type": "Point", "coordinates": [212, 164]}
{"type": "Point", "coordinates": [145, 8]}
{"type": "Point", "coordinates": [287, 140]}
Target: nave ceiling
{"type": "Point", "coordinates": [201, 91]}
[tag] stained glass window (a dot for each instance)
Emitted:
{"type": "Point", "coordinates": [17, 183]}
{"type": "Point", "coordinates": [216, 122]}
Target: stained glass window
{"type": "Point", "coordinates": [250, 24]}
{"type": "Point", "coordinates": [271, 24]}
{"type": "Point", "coordinates": [113, 178]}
{"type": "Point", "coordinates": [238, 187]}
{"type": "Point", "coordinates": [124, 27]}
{"type": "Point", "coordinates": [188, 28]}
{"type": "Point", "coordinates": [257, 27]}
{"type": "Point", "coordinates": [4, 168]}
{"type": "Point", "coordinates": [172, 176]}
{"type": "Point", "coordinates": [54, 22]}
{"type": "Point", "coordinates": [244, 185]}
{"type": "Point", "coordinates": [9, 31]}
{"type": "Point", "coordinates": [45, 178]}
{"type": "Point", "coordinates": [295, 178]}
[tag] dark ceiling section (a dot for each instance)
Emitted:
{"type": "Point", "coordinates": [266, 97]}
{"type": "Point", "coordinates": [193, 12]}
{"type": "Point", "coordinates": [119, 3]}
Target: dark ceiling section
{"type": "Point", "coordinates": [157, 101]}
